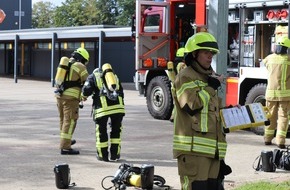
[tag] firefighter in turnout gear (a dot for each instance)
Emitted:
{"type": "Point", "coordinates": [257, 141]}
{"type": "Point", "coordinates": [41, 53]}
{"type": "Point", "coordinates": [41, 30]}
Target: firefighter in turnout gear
{"type": "Point", "coordinates": [278, 92]}
{"type": "Point", "coordinates": [108, 103]}
{"type": "Point", "coordinates": [180, 59]}
{"type": "Point", "coordinates": [68, 96]}
{"type": "Point", "coordinates": [199, 141]}
{"type": "Point", "coordinates": [179, 62]}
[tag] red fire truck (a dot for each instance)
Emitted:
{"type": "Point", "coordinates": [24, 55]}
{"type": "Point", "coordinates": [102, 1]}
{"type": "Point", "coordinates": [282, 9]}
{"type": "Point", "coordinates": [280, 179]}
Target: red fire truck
{"type": "Point", "coordinates": [161, 27]}
{"type": "Point", "coordinates": [254, 26]}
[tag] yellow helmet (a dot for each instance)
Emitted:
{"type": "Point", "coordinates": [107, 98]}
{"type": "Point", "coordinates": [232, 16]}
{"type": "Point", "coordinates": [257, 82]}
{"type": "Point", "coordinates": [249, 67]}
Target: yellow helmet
{"type": "Point", "coordinates": [83, 53]}
{"type": "Point", "coordinates": [201, 40]}
{"type": "Point", "coordinates": [180, 52]}
{"type": "Point", "coordinates": [283, 41]}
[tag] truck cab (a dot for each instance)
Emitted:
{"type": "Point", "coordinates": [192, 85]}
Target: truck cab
{"type": "Point", "coordinates": [160, 28]}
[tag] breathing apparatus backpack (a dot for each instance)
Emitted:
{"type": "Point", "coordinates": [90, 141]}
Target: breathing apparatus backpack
{"type": "Point", "coordinates": [62, 74]}
{"type": "Point", "coordinates": [282, 158]}
{"type": "Point", "coordinates": [111, 86]}
{"type": "Point", "coordinates": [269, 161]}
{"type": "Point", "coordinates": [171, 71]}
{"type": "Point", "coordinates": [141, 177]}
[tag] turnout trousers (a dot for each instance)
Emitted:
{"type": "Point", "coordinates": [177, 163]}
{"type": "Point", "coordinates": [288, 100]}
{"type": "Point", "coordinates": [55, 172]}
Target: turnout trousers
{"type": "Point", "coordinates": [68, 115]}
{"type": "Point", "coordinates": [104, 141]}
{"type": "Point", "coordinates": [198, 173]}
{"type": "Point", "coordinates": [279, 111]}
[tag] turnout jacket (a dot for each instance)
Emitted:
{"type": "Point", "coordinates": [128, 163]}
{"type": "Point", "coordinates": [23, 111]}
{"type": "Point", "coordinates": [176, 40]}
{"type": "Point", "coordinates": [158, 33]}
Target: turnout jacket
{"type": "Point", "coordinates": [197, 123]}
{"type": "Point", "coordinates": [278, 88]}
{"type": "Point", "coordinates": [102, 104]}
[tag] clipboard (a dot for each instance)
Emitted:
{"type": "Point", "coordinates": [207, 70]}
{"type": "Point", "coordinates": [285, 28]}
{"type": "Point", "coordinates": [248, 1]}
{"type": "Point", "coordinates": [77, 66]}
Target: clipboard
{"type": "Point", "coordinates": [247, 116]}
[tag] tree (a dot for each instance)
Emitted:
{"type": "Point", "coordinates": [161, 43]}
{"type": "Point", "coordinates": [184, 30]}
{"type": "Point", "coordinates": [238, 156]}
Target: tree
{"type": "Point", "coordinates": [126, 10]}
{"type": "Point", "coordinates": [42, 15]}
{"type": "Point", "coordinates": [76, 13]}
{"type": "Point", "coordinates": [83, 12]}
{"type": "Point", "coordinates": [91, 12]}
{"type": "Point", "coordinates": [70, 14]}
{"type": "Point", "coordinates": [107, 11]}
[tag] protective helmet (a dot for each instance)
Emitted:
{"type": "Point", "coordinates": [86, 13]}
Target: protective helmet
{"type": "Point", "coordinates": [97, 70]}
{"type": "Point", "coordinates": [180, 52]}
{"type": "Point", "coordinates": [82, 55]}
{"type": "Point", "coordinates": [283, 41]}
{"type": "Point", "coordinates": [201, 40]}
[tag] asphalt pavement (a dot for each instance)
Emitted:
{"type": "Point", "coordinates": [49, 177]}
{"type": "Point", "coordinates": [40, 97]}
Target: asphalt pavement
{"type": "Point", "coordinates": [29, 136]}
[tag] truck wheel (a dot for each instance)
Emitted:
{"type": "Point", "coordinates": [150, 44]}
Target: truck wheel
{"type": "Point", "coordinates": [159, 98]}
{"type": "Point", "coordinates": [257, 94]}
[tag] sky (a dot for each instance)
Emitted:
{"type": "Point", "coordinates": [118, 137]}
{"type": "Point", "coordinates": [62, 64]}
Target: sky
{"type": "Point", "coordinates": [55, 2]}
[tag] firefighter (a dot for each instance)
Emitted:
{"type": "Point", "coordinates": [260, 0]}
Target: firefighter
{"type": "Point", "coordinates": [179, 60]}
{"type": "Point", "coordinates": [199, 141]}
{"type": "Point", "coordinates": [69, 98]}
{"type": "Point", "coordinates": [278, 92]}
{"type": "Point", "coordinates": [108, 103]}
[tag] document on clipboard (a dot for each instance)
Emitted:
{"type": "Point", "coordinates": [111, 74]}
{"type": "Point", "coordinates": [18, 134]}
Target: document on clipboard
{"type": "Point", "coordinates": [247, 116]}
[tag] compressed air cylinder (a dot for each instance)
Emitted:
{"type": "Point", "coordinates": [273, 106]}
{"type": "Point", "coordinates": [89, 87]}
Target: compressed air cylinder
{"type": "Point", "coordinates": [61, 70]}
{"type": "Point", "coordinates": [135, 180]}
{"type": "Point", "coordinates": [171, 72]}
{"type": "Point", "coordinates": [109, 76]}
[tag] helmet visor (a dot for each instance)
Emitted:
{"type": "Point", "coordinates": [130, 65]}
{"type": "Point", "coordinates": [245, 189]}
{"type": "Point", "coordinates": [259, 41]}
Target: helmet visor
{"type": "Point", "coordinates": [209, 45]}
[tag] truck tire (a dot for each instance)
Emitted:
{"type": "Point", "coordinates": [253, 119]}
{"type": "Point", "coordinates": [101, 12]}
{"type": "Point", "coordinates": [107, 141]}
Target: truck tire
{"type": "Point", "coordinates": [159, 99]}
{"type": "Point", "coordinates": [257, 94]}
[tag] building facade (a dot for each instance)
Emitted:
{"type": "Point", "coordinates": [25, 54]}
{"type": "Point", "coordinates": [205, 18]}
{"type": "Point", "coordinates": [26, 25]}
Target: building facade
{"type": "Point", "coordinates": [14, 20]}
{"type": "Point", "coordinates": [36, 52]}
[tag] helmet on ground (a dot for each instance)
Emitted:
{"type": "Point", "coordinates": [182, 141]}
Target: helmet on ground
{"type": "Point", "coordinates": [283, 41]}
{"type": "Point", "coordinates": [180, 52]}
{"type": "Point", "coordinates": [201, 40]}
{"type": "Point", "coordinates": [82, 55]}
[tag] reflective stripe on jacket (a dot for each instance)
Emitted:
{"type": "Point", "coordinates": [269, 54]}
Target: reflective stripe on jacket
{"type": "Point", "coordinates": [278, 87]}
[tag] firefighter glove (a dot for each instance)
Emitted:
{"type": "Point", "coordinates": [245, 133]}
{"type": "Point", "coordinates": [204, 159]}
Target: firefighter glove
{"type": "Point", "coordinates": [213, 82]}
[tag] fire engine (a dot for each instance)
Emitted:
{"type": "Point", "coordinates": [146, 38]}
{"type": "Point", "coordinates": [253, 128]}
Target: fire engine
{"type": "Point", "coordinates": [163, 27]}
{"type": "Point", "coordinates": [254, 26]}
{"type": "Point", "coordinates": [159, 29]}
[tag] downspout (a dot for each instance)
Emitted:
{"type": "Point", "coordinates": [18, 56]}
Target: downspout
{"type": "Point", "coordinates": [16, 41]}
{"type": "Point", "coordinates": [101, 41]}
{"type": "Point", "coordinates": [52, 73]}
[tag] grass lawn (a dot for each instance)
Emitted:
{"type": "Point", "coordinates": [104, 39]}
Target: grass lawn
{"type": "Point", "coordinates": [265, 186]}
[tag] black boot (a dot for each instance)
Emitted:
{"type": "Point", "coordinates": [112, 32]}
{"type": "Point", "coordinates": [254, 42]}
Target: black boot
{"type": "Point", "coordinates": [105, 159]}
{"type": "Point", "coordinates": [69, 151]}
{"type": "Point", "coordinates": [103, 155]}
{"type": "Point", "coordinates": [114, 152]}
